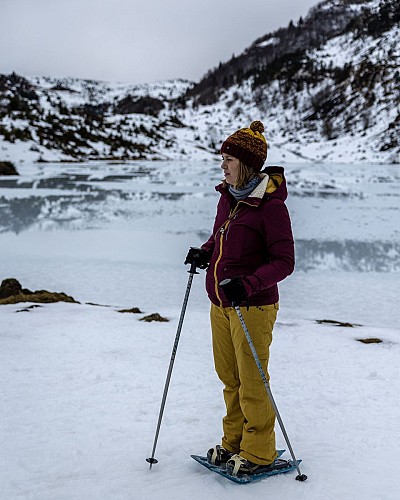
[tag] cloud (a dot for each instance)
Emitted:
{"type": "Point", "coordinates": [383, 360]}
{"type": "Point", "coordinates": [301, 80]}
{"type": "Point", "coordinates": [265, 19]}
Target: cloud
{"type": "Point", "coordinates": [132, 40]}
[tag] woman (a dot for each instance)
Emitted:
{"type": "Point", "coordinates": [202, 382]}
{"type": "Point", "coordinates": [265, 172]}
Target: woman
{"type": "Point", "coordinates": [252, 245]}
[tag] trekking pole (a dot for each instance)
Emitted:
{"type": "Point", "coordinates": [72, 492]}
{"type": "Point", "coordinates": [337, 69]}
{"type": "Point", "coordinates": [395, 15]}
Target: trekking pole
{"type": "Point", "coordinates": [300, 476]}
{"type": "Point", "coordinates": [192, 271]}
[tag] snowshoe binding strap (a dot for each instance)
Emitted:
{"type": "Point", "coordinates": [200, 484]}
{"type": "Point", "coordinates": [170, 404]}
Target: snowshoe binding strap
{"type": "Point", "coordinates": [234, 464]}
{"type": "Point", "coordinates": [218, 455]}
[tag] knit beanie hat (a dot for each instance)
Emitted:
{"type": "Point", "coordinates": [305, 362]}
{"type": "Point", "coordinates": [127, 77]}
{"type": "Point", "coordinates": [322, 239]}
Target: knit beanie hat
{"type": "Point", "coordinates": [248, 145]}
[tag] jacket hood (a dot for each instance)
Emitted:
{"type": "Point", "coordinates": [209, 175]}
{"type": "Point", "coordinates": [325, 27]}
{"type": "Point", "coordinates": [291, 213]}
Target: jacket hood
{"type": "Point", "coordinates": [273, 185]}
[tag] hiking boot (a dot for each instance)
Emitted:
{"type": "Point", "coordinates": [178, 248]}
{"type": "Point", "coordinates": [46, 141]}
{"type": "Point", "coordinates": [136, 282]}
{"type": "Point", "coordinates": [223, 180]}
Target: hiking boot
{"type": "Point", "coordinates": [218, 455]}
{"type": "Point", "coordinates": [239, 466]}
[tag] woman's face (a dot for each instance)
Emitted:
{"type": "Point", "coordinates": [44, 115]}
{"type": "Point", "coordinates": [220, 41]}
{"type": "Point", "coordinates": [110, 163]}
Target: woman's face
{"type": "Point", "coordinates": [230, 166]}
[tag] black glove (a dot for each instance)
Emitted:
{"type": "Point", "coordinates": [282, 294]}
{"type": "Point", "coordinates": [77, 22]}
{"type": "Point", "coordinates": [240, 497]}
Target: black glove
{"type": "Point", "coordinates": [198, 256]}
{"type": "Point", "coordinates": [234, 291]}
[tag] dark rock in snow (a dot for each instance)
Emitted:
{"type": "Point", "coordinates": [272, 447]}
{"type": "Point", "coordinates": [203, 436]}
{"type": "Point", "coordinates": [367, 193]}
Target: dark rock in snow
{"type": "Point", "coordinates": [371, 340]}
{"type": "Point", "coordinates": [335, 323]}
{"type": "Point", "coordinates": [154, 317]}
{"type": "Point", "coordinates": [7, 168]}
{"type": "Point", "coordinates": [97, 305]}
{"type": "Point", "coordinates": [29, 308]}
{"type": "Point", "coordinates": [134, 310]}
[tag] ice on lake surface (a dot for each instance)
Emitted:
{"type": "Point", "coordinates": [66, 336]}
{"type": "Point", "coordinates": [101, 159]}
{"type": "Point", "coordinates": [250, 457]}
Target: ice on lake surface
{"type": "Point", "coordinates": [86, 228]}
{"type": "Point", "coordinates": [344, 217]}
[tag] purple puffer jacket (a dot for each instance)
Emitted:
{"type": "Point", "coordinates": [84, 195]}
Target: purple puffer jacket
{"type": "Point", "coordinates": [252, 239]}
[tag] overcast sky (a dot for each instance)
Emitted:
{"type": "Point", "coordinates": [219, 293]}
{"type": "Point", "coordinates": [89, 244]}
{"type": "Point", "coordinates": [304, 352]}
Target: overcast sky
{"type": "Point", "coordinates": [134, 41]}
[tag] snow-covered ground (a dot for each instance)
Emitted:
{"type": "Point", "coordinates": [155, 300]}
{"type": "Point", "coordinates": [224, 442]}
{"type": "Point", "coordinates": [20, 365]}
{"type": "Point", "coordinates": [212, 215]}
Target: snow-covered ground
{"type": "Point", "coordinates": [81, 385]}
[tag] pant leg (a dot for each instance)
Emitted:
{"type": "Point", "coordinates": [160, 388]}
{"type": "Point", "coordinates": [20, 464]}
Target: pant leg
{"type": "Point", "coordinates": [258, 435]}
{"type": "Point", "coordinates": [227, 371]}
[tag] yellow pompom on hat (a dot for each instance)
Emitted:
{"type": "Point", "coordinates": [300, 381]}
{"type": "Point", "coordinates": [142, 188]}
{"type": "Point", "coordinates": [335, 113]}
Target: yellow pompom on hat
{"type": "Point", "coordinates": [249, 145]}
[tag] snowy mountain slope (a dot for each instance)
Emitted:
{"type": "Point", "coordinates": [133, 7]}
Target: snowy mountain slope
{"type": "Point", "coordinates": [339, 101]}
{"type": "Point", "coordinates": [327, 90]}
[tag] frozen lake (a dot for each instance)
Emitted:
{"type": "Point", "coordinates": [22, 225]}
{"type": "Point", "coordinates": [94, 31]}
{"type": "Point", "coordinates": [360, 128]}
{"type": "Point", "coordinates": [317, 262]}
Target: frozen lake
{"type": "Point", "coordinates": [118, 234]}
{"type": "Point", "coordinates": [81, 385]}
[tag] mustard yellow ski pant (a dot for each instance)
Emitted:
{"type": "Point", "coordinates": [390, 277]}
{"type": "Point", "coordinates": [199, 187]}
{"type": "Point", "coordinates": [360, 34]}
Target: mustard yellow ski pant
{"type": "Point", "coordinates": [250, 419]}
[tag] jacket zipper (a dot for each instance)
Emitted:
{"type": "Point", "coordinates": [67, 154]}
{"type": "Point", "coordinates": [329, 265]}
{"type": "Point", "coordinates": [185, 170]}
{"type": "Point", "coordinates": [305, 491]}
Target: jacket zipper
{"type": "Point", "coordinates": [222, 230]}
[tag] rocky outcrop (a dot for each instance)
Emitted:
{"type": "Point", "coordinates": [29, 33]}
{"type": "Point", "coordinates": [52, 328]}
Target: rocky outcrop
{"type": "Point", "coordinates": [144, 105]}
{"type": "Point", "coordinates": [10, 287]}
{"type": "Point", "coordinates": [11, 292]}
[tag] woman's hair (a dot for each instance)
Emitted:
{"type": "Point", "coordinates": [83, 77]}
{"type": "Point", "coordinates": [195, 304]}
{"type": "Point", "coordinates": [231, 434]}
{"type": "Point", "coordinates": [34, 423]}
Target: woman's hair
{"type": "Point", "coordinates": [245, 174]}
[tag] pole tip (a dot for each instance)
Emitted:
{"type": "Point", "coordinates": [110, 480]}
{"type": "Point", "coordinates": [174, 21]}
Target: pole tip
{"type": "Point", "coordinates": [152, 461]}
{"type": "Point", "coordinates": [301, 477]}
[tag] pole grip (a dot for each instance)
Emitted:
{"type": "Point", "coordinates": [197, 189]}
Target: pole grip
{"type": "Point", "coordinates": [192, 269]}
